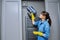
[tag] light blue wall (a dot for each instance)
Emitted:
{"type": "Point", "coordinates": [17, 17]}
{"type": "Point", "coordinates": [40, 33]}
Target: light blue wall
{"type": "Point", "coordinates": [0, 16]}
{"type": "Point", "coordinates": [59, 18]}
{"type": "Point", "coordinates": [11, 26]}
{"type": "Point", "coordinates": [52, 6]}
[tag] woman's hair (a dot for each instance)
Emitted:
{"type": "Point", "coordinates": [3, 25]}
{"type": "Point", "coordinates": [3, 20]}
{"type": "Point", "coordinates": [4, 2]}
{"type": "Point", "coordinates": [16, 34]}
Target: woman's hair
{"type": "Point", "coordinates": [44, 13]}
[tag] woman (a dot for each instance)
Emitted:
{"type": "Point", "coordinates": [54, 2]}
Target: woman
{"type": "Point", "coordinates": [43, 26]}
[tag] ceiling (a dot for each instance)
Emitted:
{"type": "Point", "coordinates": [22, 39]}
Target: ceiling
{"type": "Point", "coordinates": [32, 0]}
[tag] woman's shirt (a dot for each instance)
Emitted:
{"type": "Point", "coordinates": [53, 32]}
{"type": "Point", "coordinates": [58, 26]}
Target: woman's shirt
{"type": "Point", "coordinates": [43, 27]}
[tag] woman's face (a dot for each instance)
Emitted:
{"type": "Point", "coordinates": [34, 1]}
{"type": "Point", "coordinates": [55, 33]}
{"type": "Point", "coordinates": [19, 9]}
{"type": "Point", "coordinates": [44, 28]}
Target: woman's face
{"type": "Point", "coordinates": [42, 17]}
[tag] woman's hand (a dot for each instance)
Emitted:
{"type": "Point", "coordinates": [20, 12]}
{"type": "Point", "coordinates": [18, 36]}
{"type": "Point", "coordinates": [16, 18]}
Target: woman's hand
{"type": "Point", "coordinates": [33, 18]}
{"type": "Point", "coordinates": [33, 22]}
{"type": "Point", "coordinates": [37, 33]}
